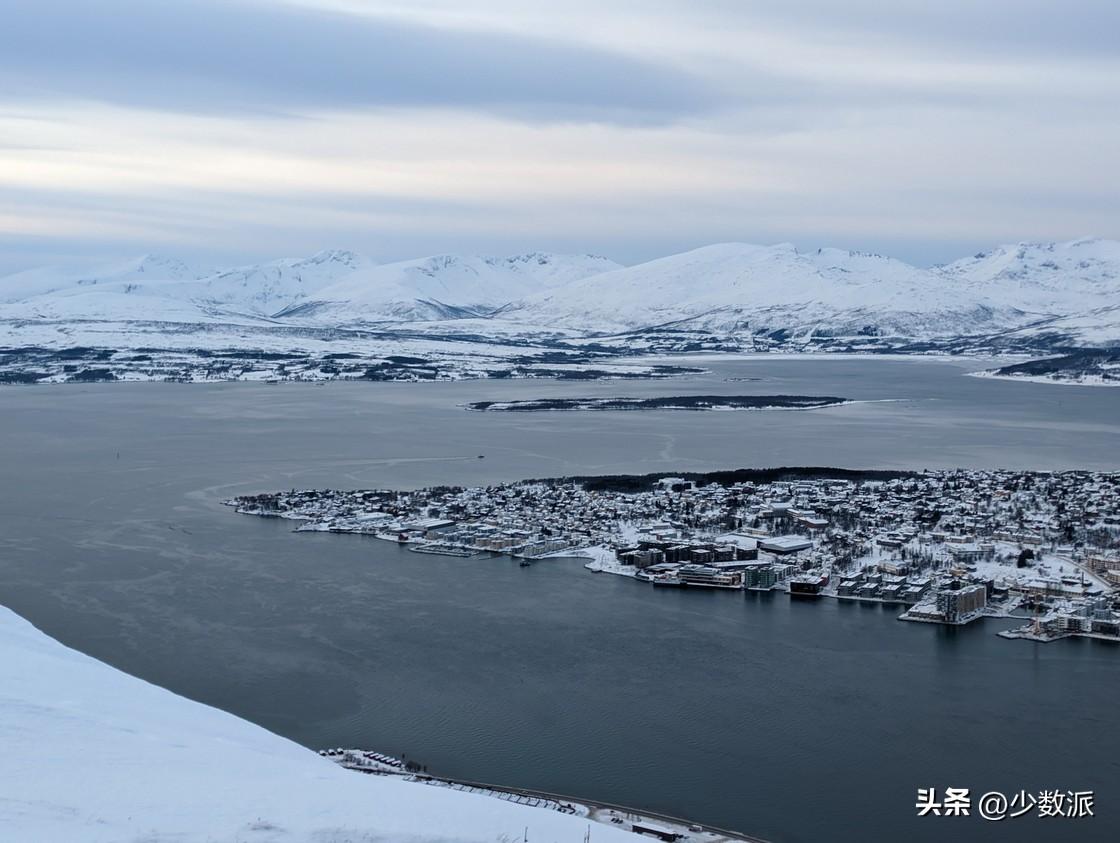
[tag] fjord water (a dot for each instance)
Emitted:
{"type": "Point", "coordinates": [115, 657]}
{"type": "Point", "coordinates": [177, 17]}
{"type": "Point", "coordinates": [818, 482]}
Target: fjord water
{"type": "Point", "coordinates": [790, 720]}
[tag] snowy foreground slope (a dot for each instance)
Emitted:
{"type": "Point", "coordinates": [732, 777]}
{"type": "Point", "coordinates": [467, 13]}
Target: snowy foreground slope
{"type": "Point", "coordinates": [88, 753]}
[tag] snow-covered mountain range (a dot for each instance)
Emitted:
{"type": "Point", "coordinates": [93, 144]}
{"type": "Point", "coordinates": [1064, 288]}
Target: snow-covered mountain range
{"type": "Point", "coordinates": [1032, 297]}
{"type": "Point", "coordinates": [441, 287]}
{"type": "Point", "coordinates": [725, 289]}
{"type": "Point", "coordinates": [733, 288]}
{"type": "Point", "coordinates": [332, 287]}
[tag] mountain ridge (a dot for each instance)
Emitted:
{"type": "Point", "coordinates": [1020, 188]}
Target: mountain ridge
{"type": "Point", "coordinates": [1042, 293]}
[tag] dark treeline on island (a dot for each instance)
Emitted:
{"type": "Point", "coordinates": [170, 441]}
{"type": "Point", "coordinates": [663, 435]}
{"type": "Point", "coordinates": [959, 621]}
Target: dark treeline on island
{"type": "Point", "coordinates": [673, 402]}
{"type": "Point", "coordinates": [31, 364]}
{"type": "Point", "coordinates": [1103, 363]}
{"type": "Point", "coordinates": [645, 482]}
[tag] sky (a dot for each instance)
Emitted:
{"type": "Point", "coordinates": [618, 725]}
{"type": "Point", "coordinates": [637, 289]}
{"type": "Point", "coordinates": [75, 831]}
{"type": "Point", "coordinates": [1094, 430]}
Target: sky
{"type": "Point", "coordinates": [242, 130]}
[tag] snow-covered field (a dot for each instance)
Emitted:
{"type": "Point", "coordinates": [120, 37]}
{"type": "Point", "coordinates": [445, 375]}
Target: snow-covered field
{"type": "Point", "coordinates": [601, 560]}
{"type": "Point", "coordinates": [90, 754]}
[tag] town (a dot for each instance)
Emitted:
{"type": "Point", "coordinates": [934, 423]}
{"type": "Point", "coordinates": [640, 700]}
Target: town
{"type": "Point", "coordinates": [948, 547]}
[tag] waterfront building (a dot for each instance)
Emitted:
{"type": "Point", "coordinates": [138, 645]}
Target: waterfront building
{"type": "Point", "coordinates": [642, 558]}
{"type": "Point", "coordinates": [959, 603]}
{"type": "Point", "coordinates": [428, 525]}
{"type": "Point", "coordinates": [709, 576]}
{"type": "Point", "coordinates": [761, 576]}
{"type": "Point", "coordinates": [807, 586]}
{"type": "Point", "coordinates": [892, 592]}
{"type": "Point", "coordinates": [912, 593]}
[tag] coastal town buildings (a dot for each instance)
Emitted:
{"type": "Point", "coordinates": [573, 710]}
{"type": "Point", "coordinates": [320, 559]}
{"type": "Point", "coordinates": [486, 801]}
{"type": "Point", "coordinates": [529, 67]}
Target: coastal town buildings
{"type": "Point", "coordinates": [946, 546]}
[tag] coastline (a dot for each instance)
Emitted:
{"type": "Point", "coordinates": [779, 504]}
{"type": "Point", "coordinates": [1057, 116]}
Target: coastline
{"type": "Point", "coordinates": [1043, 379]}
{"type": "Point", "coordinates": [607, 813]}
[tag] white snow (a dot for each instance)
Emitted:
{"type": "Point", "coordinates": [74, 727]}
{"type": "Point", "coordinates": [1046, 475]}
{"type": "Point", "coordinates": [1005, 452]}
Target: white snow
{"type": "Point", "coordinates": [90, 754]}
{"type": "Point", "coordinates": [743, 287]}
{"type": "Point", "coordinates": [49, 279]}
{"type": "Point", "coordinates": [603, 560]}
{"type": "Point", "coordinates": [446, 286]}
{"type": "Point", "coordinates": [1047, 278]}
{"type": "Point", "coordinates": [328, 287]}
{"type": "Point", "coordinates": [1058, 291]}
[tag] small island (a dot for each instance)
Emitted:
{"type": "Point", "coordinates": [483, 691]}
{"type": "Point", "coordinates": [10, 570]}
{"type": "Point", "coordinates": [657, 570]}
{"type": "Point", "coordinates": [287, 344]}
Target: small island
{"type": "Point", "coordinates": [673, 402]}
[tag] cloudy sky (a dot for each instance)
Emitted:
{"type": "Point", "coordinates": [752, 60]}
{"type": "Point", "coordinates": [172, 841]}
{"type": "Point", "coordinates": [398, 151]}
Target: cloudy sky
{"type": "Point", "coordinates": [249, 129]}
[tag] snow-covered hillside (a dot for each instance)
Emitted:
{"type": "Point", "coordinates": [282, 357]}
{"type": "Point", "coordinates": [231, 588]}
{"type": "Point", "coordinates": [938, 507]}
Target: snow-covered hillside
{"type": "Point", "coordinates": [736, 287]}
{"type": "Point", "coordinates": [331, 287]}
{"type": "Point", "coordinates": [91, 754]}
{"type": "Point", "coordinates": [1055, 279]}
{"type": "Point", "coordinates": [442, 287]}
{"type": "Point", "coordinates": [165, 290]}
{"type": "Point", "coordinates": [63, 280]}
{"type": "Point", "coordinates": [1031, 297]}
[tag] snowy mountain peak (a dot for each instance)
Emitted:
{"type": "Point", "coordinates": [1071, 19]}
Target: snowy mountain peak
{"type": "Point", "coordinates": [163, 267]}
{"type": "Point", "coordinates": [340, 258]}
{"type": "Point", "coordinates": [1050, 278]}
{"type": "Point", "coordinates": [744, 288]}
{"type": "Point", "coordinates": [447, 286]}
{"type": "Point", "coordinates": [544, 258]}
{"type": "Point", "coordinates": [1025, 253]}
{"type": "Point", "coordinates": [726, 289]}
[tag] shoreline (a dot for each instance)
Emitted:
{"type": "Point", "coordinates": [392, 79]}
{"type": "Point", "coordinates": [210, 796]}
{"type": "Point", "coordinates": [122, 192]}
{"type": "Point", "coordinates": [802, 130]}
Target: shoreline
{"type": "Point", "coordinates": [990, 374]}
{"type": "Point", "coordinates": [606, 813]}
{"type": "Point", "coordinates": [811, 533]}
{"type": "Point", "coordinates": [444, 361]}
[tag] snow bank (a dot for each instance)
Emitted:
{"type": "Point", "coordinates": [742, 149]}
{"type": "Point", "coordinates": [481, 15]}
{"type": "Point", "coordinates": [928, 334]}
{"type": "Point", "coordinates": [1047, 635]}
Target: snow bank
{"type": "Point", "coordinates": [93, 754]}
{"type": "Point", "coordinates": [602, 560]}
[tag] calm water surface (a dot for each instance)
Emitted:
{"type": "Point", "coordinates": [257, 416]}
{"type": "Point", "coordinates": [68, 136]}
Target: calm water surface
{"type": "Point", "coordinates": [794, 721]}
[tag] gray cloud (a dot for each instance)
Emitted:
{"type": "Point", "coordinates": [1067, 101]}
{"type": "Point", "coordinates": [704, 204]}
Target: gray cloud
{"type": "Point", "coordinates": [941, 129]}
{"type": "Point", "coordinates": [219, 56]}
{"type": "Point", "coordinates": [1000, 28]}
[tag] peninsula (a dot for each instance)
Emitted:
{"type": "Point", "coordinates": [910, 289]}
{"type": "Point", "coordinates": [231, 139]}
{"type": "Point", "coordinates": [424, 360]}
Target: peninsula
{"type": "Point", "coordinates": [948, 547]}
